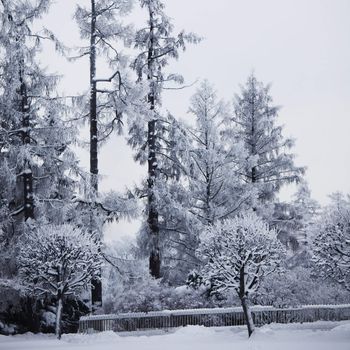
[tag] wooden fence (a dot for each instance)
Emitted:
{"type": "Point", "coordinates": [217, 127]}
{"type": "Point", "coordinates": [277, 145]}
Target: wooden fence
{"type": "Point", "coordinates": [211, 317]}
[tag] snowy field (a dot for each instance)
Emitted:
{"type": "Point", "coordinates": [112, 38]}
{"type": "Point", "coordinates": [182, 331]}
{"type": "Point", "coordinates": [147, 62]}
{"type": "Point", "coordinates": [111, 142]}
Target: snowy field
{"type": "Point", "coordinates": [309, 336]}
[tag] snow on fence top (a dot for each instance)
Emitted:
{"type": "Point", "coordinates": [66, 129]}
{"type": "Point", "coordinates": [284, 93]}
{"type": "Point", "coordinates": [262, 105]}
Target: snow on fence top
{"type": "Point", "coordinates": [204, 311]}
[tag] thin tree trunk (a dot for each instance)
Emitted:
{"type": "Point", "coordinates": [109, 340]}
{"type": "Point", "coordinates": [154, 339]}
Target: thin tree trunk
{"type": "Point", "coordinates": [93, 103]}
{"type": "Point", "coordinates": [27, 176]}
{"type": "Point", "coordinates": [96, 290]}
{"type": "Point", "coordinates": [244, 301]}
{"type": "Point", "coordinates": [254, 168]}
{"type": "Point", "coordinates": [153, 223]}
{"type": "Point", "coordinates": [208, 214]}
{"type": "Point", "coordinates": [58, 327]}
{"type": "Point", "coordinates": [248, 316]}
{"type": "Point", "coordinates": [153, 216]}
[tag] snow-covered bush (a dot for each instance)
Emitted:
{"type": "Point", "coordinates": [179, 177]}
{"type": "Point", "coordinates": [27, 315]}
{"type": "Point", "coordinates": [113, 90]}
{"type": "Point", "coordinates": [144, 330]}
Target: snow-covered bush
{"type": "Point", "coordinates": [293, 289]}
{"type": "Point", "coordinates": [132, 289]}
{"type": "Point", "coordinates": [237, 254]}
{"type": "Point", "coordinates": [59, 261]}
{"type": "Point", "coordinates": [128, 286]}
{"type": "Point", "coordinates": [331, 244]}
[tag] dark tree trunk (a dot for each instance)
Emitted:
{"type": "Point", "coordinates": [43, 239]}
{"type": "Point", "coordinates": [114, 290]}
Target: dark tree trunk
{"type": "Point", "coordinates": [96, 290]}
{"type": "Point", "coordinates": [93, 103]}
{"type": "Point", "coordinates": [58, 326]}
{"type": "Point", "coordinates": [254, 168]}
{"type": "Point", "coordinates": [248, 316]}
{"type": "Point", "coordinates": [153, 224]}
{"type": "Point", "coordinates": [254, 177]}
{"type": "Point", "coordinates": [153, 216]}
{"type": "Point", "coordinates": [208, 217]}
{"type": "Point", "coordinates": [243, 296]}
{"type": "Point", "coordinates": [28, 202]}
{"type": "Point", "coordinates": [209, 220]}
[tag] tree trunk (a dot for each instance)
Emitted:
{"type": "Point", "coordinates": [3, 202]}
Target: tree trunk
{"type": "Point", "coordinates": [153, 223]}
{"type": "Point", "coordinates": [93, 103]}
{"type": "Point", "coordinates": [254, 175]}
{"type": "Point", "coordinates": [253, 150]}
{"type": "Point", "coordinates": [208, 211]}
{"type": "Point", "coordinates": [28, 202]}
{"type": "Point", "coordinates": [153, 216]}
{"type": "Point", "coordinates": [96, 290]}
{"type": "Point", "coordinates": [244, 301]}
{"type": "Point", "coordinates": [248, 316]}
{"type": "Point", "coordinates": [58, 327]}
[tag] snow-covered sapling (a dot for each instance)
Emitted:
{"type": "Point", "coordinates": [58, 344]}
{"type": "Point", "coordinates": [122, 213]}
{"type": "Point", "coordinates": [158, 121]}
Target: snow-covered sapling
{"type": "Point", "coordinates": [59, 260]}
{"type": "Point", "coordinates": [239, 253]}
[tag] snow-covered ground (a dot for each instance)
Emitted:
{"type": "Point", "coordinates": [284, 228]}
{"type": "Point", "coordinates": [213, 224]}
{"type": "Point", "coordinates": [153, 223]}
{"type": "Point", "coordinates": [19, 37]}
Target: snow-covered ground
{"type": "Point", "coordinates": [308, 336]}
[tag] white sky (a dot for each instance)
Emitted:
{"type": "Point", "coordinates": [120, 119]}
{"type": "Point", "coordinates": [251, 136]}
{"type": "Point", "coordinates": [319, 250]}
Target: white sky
{"type": "Point", "coordinates": [301, 46]}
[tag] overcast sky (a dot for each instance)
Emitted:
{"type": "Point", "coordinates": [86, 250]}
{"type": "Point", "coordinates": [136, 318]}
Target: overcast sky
{"type": "Point", "coordinates": [302, 47]}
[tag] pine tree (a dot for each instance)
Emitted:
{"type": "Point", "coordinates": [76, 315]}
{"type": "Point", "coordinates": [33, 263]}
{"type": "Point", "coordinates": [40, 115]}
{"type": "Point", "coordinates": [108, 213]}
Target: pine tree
{"type": "Point", "coordinates": [268, 164]}
{"type": "Point", "coordinates": [215, 191]}
{"type": "Point", "coordinates": [292, 220]}
{"type": "Point", "coordinates": [36, 162]}
{"type": "Point", "coordinates": [157, 46]}
{"type": "Point", "coordinates": [209, 191]}
{"type": "Point", "coordinates": [101, 25]}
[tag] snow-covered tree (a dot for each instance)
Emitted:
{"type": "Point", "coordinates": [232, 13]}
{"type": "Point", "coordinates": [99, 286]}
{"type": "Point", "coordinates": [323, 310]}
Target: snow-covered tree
{"type": "Point", "coordinates": [156, 45]}
{"type": "Point", "coordinates": [101, 25]}
{"type": "Point", "coordinates": [172, 200]}
{"type": "Point", "coordinates": [268, 164]}
{"type": "Point", "coordinates": [37, 166]}
{"type": "Point", "coordinates": [213, 184]}
{"type": "Point", "coordinates": [293, 220]}
{"type": "Point", "coordinates": [17, 65]}
{"type": "Point", "coordinates": [59, 261]}
{"type": "Point", "coordinates": [331, 243]}
{"type": "Point", "coordinates": [210, 190]}
{"type": "Point", "coordinates": [237, 254]}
